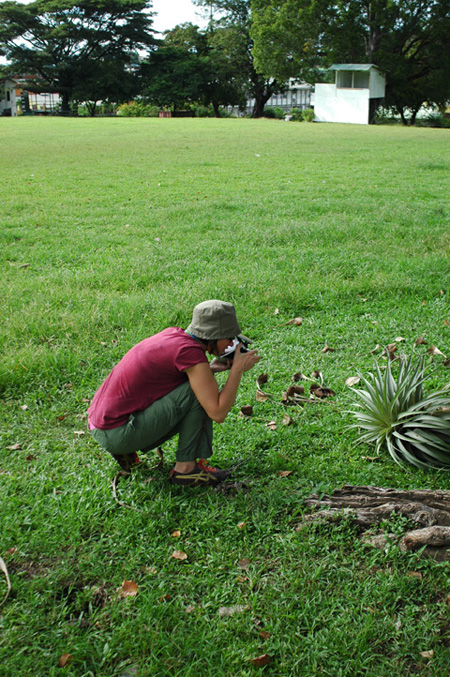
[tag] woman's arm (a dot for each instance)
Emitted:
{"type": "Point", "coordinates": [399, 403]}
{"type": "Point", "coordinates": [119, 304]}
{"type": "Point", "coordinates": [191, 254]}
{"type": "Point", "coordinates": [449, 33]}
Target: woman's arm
{"type": "Point", "coordinates": [217, 403]}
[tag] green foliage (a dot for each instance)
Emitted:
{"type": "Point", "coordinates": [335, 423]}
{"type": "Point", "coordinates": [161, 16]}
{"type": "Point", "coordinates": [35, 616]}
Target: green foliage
{"type": "Point", "coordinates": [407, 40]}
{"type": "Point", "coordinates": [84, 50]}
{"type": "Point", "coordinates": [137, 109]}
{"type": "Point", "coordinates": [275, 113]}
{"type": "Point", "coordinates": [308, 115]}
{"type": "Point", "coordinates": [296, 115]}
{"type": "Point", "coordinates": [396, 414]}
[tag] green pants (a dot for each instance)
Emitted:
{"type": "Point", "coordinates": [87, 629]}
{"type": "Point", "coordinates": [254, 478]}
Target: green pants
{"type": "Point", "coordinates": [178, 412]}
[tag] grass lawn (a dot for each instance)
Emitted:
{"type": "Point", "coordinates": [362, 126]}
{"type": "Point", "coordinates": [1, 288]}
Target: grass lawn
{"type": "Point", "coordinates": [112, 230]}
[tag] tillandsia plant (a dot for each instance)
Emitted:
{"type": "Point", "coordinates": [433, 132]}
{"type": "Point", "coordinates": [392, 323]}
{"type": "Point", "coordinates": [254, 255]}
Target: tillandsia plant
{"type": "Point", "coordinates": [396, 413]}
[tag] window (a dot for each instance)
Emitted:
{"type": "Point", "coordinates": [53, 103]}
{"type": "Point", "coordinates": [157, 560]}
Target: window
{"type": "Point", "coordinates": [352, 79]}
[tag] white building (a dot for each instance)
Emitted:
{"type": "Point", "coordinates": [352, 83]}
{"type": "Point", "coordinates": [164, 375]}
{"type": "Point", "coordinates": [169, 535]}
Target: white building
{"type": "Point", "coordinates": [357, 92]}
{"type": "Point", "coordinates": [9, 97]}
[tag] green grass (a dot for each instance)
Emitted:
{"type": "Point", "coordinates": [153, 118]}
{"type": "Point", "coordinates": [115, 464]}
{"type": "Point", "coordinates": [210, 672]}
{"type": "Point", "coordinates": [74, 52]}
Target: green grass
{"type": "Point", "coordinates": [114, 229]}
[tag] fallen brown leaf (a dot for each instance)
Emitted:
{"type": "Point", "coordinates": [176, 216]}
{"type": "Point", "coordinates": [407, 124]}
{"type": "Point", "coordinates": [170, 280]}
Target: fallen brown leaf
{"type": "Point", "coordinates": [327, 349]}
{"type": "Point", "coordinates": [14, 447]}
{"type": "Point", "coordinates": [414, 574]}
{"type": "Point", "coordinates": [244, 563]}
{"type": "Point", "coordinates": [399, 339]}
{"type": "Point", "coordinates": [179, 554]}
{"type": "Point", "coordinates": [129, 589]}
{"type": "Point", "coordinates": [427, 654]}
{"type": "Point", "coordinates": [321, 393]}
{"type": "Point", "coordinates": [420, 341]}
{"type": "Point", "coordinates": [447, 323]}
{"type": "Point", "coordinates": [24, 407]}
{"type": "Point", "coordinates": [295, 390]}
{"type": "Point", "coordinates": [352, 381]}
{"type": "Point", "coordinates": [176, 533]}
{"type": "Point", "coordinates": [241, 525]}
{"type": "Point", "coordinates": [10, 551]}
{"type": "Point", "coordinates": [189, 609]}
{"type": "Point", "coordinates": [247, 410]}
{"type": "Point", "coordinates": [287, 420]}
{"type": "Point", "coordinates": [432, 350]}
{"type": "Point", "coordinates": [284, 473]}
{"type": "Point", "coordinates": [296, 321]}
{"type": "Point", "coordinates": [264, 634]}
{"type": "Point", "coordinates": [272, 425]}
{"type": "Point", "coordinates": [447, 362]}
{"type": "Point", "coordinates": [262, 378]}
{"type": "Point", "coordinates": [64, 660]}
{"type": "Point", "coordinates": [265, 659]}
{"type": "Point", "coordinates": [30, 457]}
{"type": "Point", "coordinates": [260, 396]}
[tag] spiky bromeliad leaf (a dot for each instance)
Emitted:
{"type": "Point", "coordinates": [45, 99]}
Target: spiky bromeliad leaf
{"type": "Point", "coordinates": [395, 414]}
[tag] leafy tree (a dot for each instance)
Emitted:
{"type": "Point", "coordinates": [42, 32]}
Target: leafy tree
{"type": "Point", "coordinates": [236, 46]}
{"type": "Point", "coordinates": [407, 39]}
{"type": "Point", "coordinates": [81, 49]}
{"type": "Point", "coordinates": [192, 66]}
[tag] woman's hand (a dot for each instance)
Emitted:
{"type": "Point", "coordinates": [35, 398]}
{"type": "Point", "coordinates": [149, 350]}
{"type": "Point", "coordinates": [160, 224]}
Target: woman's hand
{"type": "Point", "coordinates": [245, 361]}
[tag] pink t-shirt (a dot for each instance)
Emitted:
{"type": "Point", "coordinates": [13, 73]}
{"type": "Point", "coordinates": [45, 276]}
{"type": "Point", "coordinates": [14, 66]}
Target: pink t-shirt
{"type": "Point", "coordinates": [150, 370]}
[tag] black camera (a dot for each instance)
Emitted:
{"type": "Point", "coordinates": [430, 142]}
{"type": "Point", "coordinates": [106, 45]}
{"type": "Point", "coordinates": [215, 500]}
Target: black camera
{"type": "Point", "coordinates": [241, 340]}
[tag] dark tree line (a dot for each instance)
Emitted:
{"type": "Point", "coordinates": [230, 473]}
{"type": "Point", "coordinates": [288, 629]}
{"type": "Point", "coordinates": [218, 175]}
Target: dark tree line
{"type": "Point", "coordinates": [93, 50]}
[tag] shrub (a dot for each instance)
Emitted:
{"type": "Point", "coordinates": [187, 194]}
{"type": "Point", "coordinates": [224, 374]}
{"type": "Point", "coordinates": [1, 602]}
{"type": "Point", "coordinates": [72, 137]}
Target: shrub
{"type": "Point", "coordinates": [274, 113]}
{"type": "Point", "coordinates": [137, 109]}
{"type": "Point", "coordinates": [296, 115]}
{"type": "Point", "coordinates": [308, 115]}
{"type": "Point", "coordinates": [395, 414]}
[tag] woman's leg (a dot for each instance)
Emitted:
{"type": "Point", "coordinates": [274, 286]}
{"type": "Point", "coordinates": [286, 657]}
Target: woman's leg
{"type": "Point", "coordinates": [177, 412]}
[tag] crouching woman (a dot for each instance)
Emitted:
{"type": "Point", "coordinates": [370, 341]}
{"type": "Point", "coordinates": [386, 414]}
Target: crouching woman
{"type": "Point", "coordinates": [165, 386]}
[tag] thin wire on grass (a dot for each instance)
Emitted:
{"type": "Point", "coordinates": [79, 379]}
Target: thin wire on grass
{"type": "Point", "coordinates": [8, 582]}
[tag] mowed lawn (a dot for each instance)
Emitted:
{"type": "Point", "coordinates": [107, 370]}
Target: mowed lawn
{"type": "Point", "coordinates": [113, 229]}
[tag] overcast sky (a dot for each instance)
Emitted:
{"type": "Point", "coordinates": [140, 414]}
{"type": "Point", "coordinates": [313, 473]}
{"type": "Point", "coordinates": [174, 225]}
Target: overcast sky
{"type": "Point", "coordinates": [169, 13]}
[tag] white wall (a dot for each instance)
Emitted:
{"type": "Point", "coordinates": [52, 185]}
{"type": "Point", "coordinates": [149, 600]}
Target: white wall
{"type": "Point", "coordinates": [341, 105]}
{"type": "Point", "coordinates": [377, 84]}
{"type": "Point", "coordinates": [8, 86]}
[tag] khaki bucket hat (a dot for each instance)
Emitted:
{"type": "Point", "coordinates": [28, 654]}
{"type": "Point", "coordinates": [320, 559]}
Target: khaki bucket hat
{"type": "Point", "coordinates": [212, 320]}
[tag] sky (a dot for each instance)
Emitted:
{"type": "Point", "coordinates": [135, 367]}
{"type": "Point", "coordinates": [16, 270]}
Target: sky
{"type": "Point", "coordinates": [169, 13]}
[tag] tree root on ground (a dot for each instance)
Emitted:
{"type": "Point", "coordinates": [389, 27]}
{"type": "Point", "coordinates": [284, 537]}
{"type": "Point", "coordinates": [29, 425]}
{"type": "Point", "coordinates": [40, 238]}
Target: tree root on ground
{"type": "Point", "coordinates": [427, 511]}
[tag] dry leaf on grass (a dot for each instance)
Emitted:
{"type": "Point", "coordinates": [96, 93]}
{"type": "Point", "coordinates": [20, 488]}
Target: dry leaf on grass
{"type": "Point", "coordinates": [189, 609]}
{"type": "Point", "coordinates": [128, 589]}
{"type": "Point", "coordinates": [420, 341]}
{"type": "Point", "coordinates": [427, 654]}
{"type": "Point", "coordinates": [64, 660]}
{"type": "Point", "coordinates": [414, 574]}
{"type": "Point", "coordinates": [241, 525]}
{"type": "Point", "coordinates": [320, 392]}
{"type": "Point", "coordinates": [284, 473]}
{"type": "Point", "coordinates": [14, 447]}
{"type": "Point", "coordinates": [247, 410]}
{"type": "Point", "coordinates": [447, 362]}
{"type": "Point", "coordinates": [179, 555]}
{"type": "Point", "coordinates": [24, 407]}
{"type": "Point", "coordinates": [432, 350]}
{"type": "Point", "coordinates": [264, 634]}
{"type": "Point", "coordinates": [262, 378]}
{"type": "Point", "coordinates": [244, 563]}
{"type": "Point", "coordinates": [260, 396]}
{"type": "Point", "coordinates": [176, 533]}
{"type": "Point", "coordinates": [287, 420]}
{"type": "Point", "coordinates": [272, 425]}
{"type": "Point", "coordinates": [296, 321]}
{"type": "Point", "coordinates": [327, 349]}
{"type": "Point", "coordinates": [352, 381]}
{"type": "Point", "coordinates": [265, 659]}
